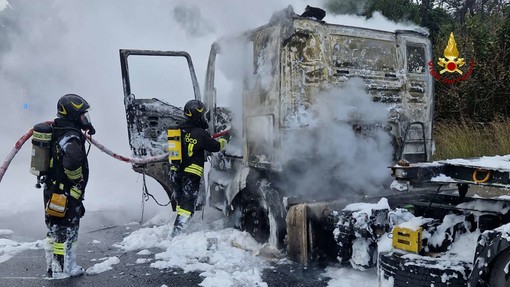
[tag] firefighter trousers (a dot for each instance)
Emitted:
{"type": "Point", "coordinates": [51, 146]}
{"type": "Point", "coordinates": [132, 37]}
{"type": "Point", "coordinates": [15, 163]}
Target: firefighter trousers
{"type": "Point", "coordinates": [62, 237]}
{"type": "Point", "coordinates": [186, 188]}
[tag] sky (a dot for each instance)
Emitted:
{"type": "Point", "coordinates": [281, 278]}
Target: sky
{"type": "Point", "coordinates": [53, 47]}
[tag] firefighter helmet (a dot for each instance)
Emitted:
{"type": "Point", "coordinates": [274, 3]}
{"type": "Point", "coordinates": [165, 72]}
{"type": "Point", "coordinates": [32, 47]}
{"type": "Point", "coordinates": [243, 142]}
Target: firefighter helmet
{"type": "Point", "coordinates": [71, 106]}
{"type": "Point", "coordinates": [194, 110]}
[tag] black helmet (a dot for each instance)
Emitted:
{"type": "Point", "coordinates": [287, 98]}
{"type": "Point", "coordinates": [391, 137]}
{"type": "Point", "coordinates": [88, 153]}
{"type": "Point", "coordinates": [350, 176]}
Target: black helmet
{"type": "Point", "coordinates": [194, 110]}
{"type": "Point", "coordinates": [71, 106]}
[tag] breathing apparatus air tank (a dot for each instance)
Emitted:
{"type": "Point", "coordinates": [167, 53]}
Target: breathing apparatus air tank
{"type": "Point", "coordinates": [41, 149]}
{"type": "Point", "coordinates": [174, 145]}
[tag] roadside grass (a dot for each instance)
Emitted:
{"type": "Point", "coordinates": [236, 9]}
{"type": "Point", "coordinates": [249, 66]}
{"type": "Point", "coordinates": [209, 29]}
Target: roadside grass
{"type": "Point", "coordinates": [466, 139]}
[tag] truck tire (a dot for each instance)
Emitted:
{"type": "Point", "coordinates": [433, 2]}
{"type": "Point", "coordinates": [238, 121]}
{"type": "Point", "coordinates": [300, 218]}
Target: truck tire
{"type": "Point", "coordinates": [261, 213]}
{"type": "Point", "coordinates": [404, 271]}
{"type": "Point", "coordinates": [498, 275]}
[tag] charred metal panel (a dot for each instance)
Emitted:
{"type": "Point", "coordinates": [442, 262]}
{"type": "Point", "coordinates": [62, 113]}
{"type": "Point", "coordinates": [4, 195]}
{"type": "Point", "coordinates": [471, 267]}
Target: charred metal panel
{"type": "Point", "coordinates": [360, 53]}
{"type": "Point", "coordinates": [418, 100]}
{"type": "Point", "coordinates": [304, 71]}
{"type": "Point", "coordinates": [316, 56]}
{"type": "Point", "coordinates": [148, 122]}
{"type": "Point", "coordinates": [261, 101]}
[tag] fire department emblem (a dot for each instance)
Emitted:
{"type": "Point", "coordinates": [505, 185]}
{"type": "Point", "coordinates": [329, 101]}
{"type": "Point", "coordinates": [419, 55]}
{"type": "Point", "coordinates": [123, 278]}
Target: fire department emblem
{"type": "Point", "coordinates": [451, 64]}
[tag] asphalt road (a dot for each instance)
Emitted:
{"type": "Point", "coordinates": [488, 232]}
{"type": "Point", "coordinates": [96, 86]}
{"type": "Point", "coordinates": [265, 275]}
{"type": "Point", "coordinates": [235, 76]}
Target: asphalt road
{"type": "Point", "coordinates": [27, 269]}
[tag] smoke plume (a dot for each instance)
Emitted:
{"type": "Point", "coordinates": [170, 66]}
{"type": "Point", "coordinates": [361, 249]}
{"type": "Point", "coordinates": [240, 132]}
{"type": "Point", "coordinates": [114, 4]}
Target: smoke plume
{"type": "Point", "coordinates": [343, 151]}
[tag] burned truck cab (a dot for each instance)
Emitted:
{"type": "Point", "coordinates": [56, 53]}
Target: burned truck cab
{"type": "Point", "coordinates": [284, 69]}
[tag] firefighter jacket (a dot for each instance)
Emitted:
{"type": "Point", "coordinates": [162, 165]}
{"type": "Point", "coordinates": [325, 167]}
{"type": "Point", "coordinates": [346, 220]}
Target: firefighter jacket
{"type": "Point", "coordinates": [69, 170]}
{"type": "Point", "coordinates": [195, 141]}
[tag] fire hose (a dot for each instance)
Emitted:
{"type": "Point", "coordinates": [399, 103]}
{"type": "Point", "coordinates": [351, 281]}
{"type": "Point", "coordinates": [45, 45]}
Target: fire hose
{"type": "Point", "coordinates": [139, 160]}
{"type": "Point", "coordinates": [13, 152]}
{"type": "Point", "coordinates": [132, 160]}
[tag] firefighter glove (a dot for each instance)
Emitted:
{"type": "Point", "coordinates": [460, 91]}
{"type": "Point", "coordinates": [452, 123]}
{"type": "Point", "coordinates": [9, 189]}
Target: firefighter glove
{"type": "Point", "coordinates": [223, 142]}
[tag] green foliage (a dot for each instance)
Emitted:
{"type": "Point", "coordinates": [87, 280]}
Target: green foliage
{"type": "Point", "coordinates": [354, 7]}
{"type": "Point", "coordinates": [485, 95]}
{"type": "Point", "coordinates": [395, 10]}
{"type": "Point", "coordinates": [436, 20]}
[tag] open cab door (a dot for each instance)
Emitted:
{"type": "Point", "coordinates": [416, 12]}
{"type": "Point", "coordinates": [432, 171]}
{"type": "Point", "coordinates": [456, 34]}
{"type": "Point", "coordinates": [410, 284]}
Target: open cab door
{"type": "Point", "coordinates": [149, 118]}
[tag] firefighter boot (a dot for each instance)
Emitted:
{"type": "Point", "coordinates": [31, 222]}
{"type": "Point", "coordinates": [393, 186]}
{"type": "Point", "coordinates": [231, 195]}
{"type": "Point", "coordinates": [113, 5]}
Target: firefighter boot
{"type": "Point", "coordinates": [48, 251]}
{"type": "Point", "coordinates": [70, 266]}
{"type": "Point", "coordinates": [181, 222]}
{"type": "Point", "coordinates": [57, 262]}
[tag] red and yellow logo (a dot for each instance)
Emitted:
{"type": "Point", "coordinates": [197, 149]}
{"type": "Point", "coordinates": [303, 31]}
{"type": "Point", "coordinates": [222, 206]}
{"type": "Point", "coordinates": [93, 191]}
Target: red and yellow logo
{"type": "Point", "coordinates": [451, 64]}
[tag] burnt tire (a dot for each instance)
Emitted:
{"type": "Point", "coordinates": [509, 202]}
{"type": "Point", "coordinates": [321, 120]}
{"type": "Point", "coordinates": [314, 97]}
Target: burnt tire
{"type": "Point", "coordinates": [409, 271]}
{"type": "Point", "coordinates": [254, 220]}
{"type": "Point", "coordinates": [261, 213]}
{"type": "Point", "coordinates": [498, 275]}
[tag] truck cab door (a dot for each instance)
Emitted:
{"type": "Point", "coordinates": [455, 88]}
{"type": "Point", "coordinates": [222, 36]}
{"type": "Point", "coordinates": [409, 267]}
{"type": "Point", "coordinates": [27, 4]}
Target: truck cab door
{"type": "Point", "coordinates": [418, 98]}
{"type": "Point", "coordinates": [223, 96]}
{"type": "Point", "coordinates": [149, 118]}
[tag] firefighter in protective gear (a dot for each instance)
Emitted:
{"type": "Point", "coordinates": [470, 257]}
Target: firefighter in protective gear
{"type": "Point", "coordinates": [187, 175]}
{"type": "Point", "coordinates": [65, 184]}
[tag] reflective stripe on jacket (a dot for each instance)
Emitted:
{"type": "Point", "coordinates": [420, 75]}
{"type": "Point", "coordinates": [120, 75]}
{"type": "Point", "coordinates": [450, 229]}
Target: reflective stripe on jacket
{"type": "Point", "coordinates": [195, 141]}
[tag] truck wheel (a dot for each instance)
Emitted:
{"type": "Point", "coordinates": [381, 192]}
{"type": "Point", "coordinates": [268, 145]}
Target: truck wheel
{"type": "Point", "coordinates": [500, 275]}
{"type": "Point", "coordinates": [254, 219]}
{"type": "Point", "coordinates": [261, 213]}
{"type": "Point", "coordinates": [414, 271]}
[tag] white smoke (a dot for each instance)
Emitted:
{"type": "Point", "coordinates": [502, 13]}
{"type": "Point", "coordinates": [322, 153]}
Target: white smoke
{"type": "Point", "coordinates": [376, 22]}
{"type": "Point", "coordinates": [334, 158]}
{"type": "Point", "coordinates": [50, 48]}
{"type": "Point", "coordinates": [3, 4]}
